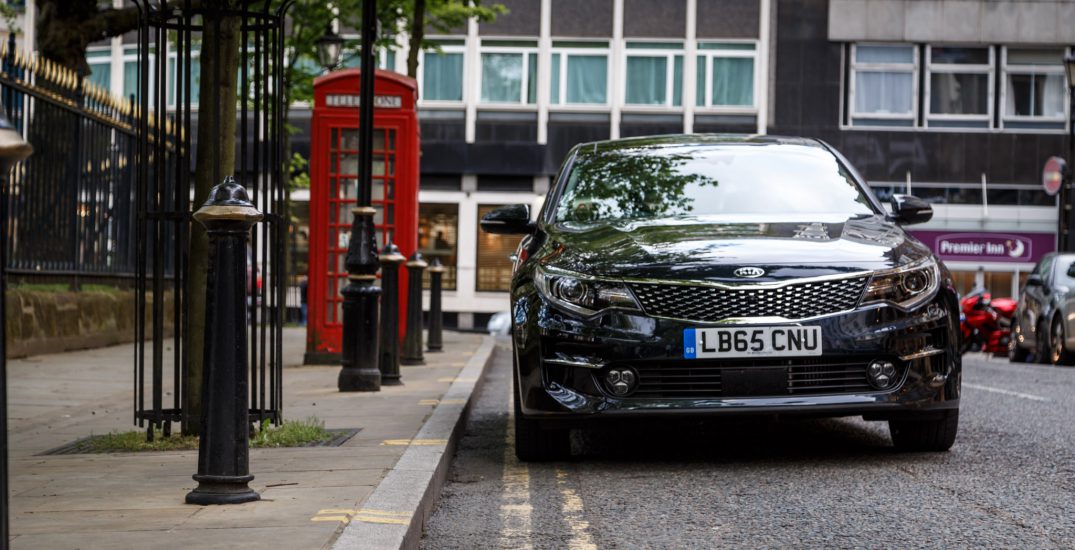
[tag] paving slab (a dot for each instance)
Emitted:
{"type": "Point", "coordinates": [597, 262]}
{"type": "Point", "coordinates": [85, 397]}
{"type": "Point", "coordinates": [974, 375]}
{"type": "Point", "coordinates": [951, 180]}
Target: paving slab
{"type": "Point", "coordinates": [136, 500]}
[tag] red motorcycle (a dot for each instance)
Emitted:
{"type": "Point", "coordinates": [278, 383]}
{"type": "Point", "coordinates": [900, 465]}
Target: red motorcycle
{"type": "Point", "coordinates": [986, 323]}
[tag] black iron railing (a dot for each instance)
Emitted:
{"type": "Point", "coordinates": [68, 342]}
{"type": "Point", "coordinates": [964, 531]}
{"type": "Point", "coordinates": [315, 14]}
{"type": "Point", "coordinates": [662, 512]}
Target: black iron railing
{"type": "Point", "coordinates": [71, 206]}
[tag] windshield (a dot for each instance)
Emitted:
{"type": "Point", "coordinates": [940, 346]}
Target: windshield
{"type": "Point", "coordinates": [707, 180]}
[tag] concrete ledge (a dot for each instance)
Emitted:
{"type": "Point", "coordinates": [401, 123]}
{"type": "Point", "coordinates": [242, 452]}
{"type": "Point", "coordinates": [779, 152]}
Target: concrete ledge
{"type": "Point", "coordinates": [394, 514]}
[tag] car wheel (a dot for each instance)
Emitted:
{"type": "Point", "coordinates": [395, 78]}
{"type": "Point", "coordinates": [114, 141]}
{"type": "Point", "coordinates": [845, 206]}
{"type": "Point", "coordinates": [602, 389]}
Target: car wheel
{"type": "Point", "coordinates": [1041, 345]}
{"type": "Point", "coordinates": [1058, 353]}
{"type": "Point", "coordinates": [1016, 354]}
{"type": "Point", "coordinates": [534, 442]}
{"type": "Point", "coordinates": [929, 434]}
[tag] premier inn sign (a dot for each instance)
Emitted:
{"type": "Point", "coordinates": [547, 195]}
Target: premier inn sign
{"type": "Point", "coordinates": [988, 247]}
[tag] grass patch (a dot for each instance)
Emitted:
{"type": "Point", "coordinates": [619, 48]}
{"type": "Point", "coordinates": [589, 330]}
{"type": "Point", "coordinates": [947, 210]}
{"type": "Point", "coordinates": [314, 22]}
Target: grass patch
{"type": "Point", "coordinates": [292, 433]}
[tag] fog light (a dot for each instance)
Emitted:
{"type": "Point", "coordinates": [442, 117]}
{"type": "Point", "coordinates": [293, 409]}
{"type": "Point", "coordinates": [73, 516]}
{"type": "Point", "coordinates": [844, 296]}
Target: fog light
{"type": "Point", "coordinates": [881, 374]}
{"type": "Point", "coordinates": [621, 381]}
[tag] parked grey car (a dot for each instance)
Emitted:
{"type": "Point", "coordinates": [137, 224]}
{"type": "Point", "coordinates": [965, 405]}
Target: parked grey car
{"type": "Point", "coordinates": [1044, 322]}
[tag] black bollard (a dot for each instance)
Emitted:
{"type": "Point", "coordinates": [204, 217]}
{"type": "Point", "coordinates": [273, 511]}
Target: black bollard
{"type": "Point", "coordinates": [412, 340]}
{"type": "Point", "coordinates": [436, 321]}
{"type": "Point", "coordinates": [389, 365]}
{"type": "Point", "coordinates": [224, 451]}
{"type": "Point", "coordinates": [360, 340]}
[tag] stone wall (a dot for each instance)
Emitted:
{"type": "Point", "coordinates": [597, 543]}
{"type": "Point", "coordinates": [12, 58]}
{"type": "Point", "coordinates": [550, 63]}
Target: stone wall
{"type": "Point", "coordinates": [52, 322]}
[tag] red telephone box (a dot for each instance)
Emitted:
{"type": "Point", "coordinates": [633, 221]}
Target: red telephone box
{"type": "Point", "coordinates": [333, 189]}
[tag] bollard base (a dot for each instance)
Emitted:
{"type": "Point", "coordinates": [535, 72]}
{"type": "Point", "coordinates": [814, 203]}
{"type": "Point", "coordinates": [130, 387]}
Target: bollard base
{"type": "Point", "coordinates": [410, 362]}
{"type": "Point", "coordinates": [432, 349]}
{"type": "Point", "coordinates": [222, 490]}
{"type": "Point", "coordinates": [359, 380]}
{"type": "Point", "coordinates": [391, 380]}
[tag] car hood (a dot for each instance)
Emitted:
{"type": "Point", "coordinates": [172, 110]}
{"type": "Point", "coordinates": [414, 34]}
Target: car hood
{"type": "Point", "coordinates": [713, 248]}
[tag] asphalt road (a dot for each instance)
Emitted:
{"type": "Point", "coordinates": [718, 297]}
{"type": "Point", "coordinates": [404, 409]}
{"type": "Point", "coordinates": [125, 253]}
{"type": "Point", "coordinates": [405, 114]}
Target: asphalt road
{"type": "Point", "coordinates": [1009, 481]}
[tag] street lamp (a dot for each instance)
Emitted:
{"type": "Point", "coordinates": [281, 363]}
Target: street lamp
{"type": "Point", "coordinates": [12, 149]}
{"type": "Point", "coordinates": [1067, 213]}
{"type": "Point", "coordinates": [361, 338]}
{"type": "Point", "coordinates": [329, 47]}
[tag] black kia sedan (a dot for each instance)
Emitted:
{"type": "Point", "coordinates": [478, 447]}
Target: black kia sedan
{"type": "Point", "coordinates": [718, 275]}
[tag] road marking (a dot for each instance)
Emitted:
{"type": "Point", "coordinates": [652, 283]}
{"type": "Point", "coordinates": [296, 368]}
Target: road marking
{"type": "Point", "coordinates": [455, 379]}
{"type": "Point", "coordinates": [515, 507]}
{"type": "Point", "coordinates": [1029, 396]}
{"type": "Point", "coordinates": [368, 515]}
{"type": "Point", "coordinates": [574, 515]}
{"type": "Point", "coordinates": [415, 442]}
{"type": "Point", "coordinates": [442, 402]}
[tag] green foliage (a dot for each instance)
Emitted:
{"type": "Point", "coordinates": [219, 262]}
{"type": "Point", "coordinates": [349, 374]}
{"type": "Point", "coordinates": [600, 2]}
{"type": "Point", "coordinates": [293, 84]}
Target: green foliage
{"type": "Point", "coordinates": [298, 168]}
{"type": "Point", "coordinates": [292, 433]}
{"type": "Point", "coordinates": [310, 18]}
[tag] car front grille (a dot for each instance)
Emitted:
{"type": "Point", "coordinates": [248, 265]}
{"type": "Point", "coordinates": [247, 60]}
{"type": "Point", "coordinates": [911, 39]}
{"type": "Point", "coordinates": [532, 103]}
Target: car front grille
{"type": "Point", "coordinates": [711, 379]}
{"type": "Point", "coordinates": [712, 304]}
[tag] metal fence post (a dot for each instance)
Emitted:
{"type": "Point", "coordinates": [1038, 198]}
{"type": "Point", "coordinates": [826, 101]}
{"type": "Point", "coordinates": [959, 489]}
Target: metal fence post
{"type": "Point", "coordinates": [412, 340]}
{"type": "Point", "coordinates": [389, 365]}
{"type": "Point", "coordinates": [224, 451]}
{"type": "Point", "coordinates": [12, 149]}
{"type": "Point", "coordinates": [436, 316]}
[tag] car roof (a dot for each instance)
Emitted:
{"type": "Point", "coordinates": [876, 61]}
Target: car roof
{"type": "Point", "coordinates": [674, 140]}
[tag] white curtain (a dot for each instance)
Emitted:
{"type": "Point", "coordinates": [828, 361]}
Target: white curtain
{"type": "Point", "coordinates": [883, 92]}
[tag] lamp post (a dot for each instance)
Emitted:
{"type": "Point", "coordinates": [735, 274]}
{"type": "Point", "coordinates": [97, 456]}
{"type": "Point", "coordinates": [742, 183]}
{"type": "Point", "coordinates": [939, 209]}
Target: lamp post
{"type": "Point", "coordinates": [329, 47]}
{"type": "Point", "coordinates": [361, 344]}
{"type": "Point", "coordinates": [12, 149]}
{"type": "Point", "coordinates": [1067, 214]}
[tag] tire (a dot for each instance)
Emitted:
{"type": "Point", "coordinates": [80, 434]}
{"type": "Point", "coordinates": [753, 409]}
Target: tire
{"type": "Point", "coordinates": [1016, 354]}
{"type": "Point", "coordinates": [1058, 353]}
{"type": "Point", "coordinates": [533, 442]}
{"type": "Point", "coordinates": [934, 434]}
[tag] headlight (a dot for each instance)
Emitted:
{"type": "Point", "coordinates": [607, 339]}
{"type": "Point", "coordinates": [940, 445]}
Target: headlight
{"type": "Point", "coordinates": [905, 287]}
{"type": "Point", "coordinates": [580, 294]}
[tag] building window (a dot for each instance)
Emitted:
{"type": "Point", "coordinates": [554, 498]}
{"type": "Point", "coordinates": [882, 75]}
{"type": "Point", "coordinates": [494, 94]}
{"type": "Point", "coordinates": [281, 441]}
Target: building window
{"type": "Point", "coordinates": [509, 71]}
{"type": "Point", "coordinates": [579, 73]}
{"type": "Point", "coordinates": [438, 231]}
{"type": "Point", "coordinates": [100, 62]}
{"type": "Point", "coordinates": [195, 77]}
{"type": "Point", "coordinates": [725, 75]}
{"type": "Point", "coordinates": [442, 72]}
{"type": "Point", "coordinates": [884, 90]}
{"type": "Point", "coordinates": [654, 74]}
{"type": "Point", "coordinates": [494, 264]}
{"type": "Point", "coordinates": [959, 87]}
{"type": "Point", "coordinates": [1034, 89]}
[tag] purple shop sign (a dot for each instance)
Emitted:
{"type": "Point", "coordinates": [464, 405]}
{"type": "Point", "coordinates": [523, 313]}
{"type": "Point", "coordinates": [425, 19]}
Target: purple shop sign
{"type": "Point", "coordinates": [988, 247]}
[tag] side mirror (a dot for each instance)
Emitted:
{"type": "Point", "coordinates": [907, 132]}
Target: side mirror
{"type": "Point", "coordinates": [909, 210]}
{"type": "Point", "coordinates": [509, 220]}
{"type": "Point", "coordinates": [1033, 280]}
{"type": "Point", "coordinates": [1071, 270]}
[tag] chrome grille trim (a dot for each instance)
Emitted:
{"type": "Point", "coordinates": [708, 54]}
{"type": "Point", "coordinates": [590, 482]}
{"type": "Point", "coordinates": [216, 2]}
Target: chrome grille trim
{"type": "Point", "coordinates": [794, 300]}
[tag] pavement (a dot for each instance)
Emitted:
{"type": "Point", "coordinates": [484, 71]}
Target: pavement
{"type": "Point", "coordinates": [310, 496]}
{"type": "Point", "coordinates": [1007, 483]}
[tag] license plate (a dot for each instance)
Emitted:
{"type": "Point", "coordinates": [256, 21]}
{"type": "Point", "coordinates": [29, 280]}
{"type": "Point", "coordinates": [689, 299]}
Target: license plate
{"type": "Point", "coordinates": [781, 341]}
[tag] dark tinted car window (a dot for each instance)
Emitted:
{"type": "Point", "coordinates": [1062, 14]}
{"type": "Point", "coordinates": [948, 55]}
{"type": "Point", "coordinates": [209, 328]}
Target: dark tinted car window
{"type": "Point", "coordinates": [707, 180]}
{"type": "Point", "coordinates": [1063, 265]}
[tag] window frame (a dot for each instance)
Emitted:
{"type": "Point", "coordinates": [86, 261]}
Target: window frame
{"type": "Point", "coordinates": [854, 67]}
{"type": "Point", "coordinates": [525, 52]}
{"type": "Point", "coordinates": [1007, 69]}
{"type": "Point", "coordinates": [708, 55]}
{"type": "Point", "coordinates": [958, 68]}
{"type": "Point", "coordinates": [100, 55]}
{"type": "Point", "coordinates": [457, 46]}
{"type": "Point", "coordinates": [669, 55]}
{"type": "Point", "coordinates": [600, 47]}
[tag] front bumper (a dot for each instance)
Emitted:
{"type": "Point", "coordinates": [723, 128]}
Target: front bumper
{"type": "Point", "coordinates": [561, 360]}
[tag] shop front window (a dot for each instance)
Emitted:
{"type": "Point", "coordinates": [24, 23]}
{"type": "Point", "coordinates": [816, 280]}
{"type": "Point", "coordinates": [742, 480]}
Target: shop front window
{"type": "Point", "coordinates": [438, 232]}
{"type": "Point", "coordinates": [494, 264]}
